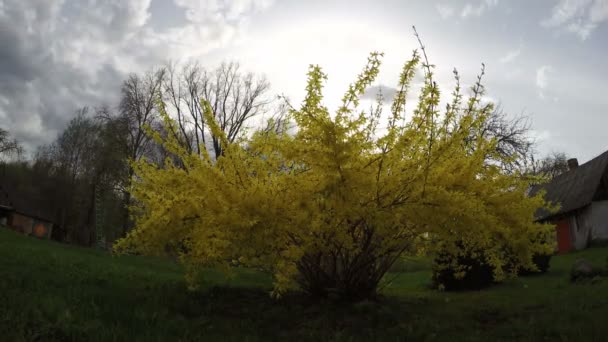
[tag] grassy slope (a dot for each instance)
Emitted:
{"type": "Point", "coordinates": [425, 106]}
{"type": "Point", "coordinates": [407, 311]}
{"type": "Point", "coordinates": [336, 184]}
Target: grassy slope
{"type": "Point", "coordinates": [50, 291]}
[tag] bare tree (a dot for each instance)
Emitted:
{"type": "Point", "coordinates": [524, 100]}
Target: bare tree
{"type": "Point", "coordinates": [279, 121]}
{"type": "Point", "coordinates": [235, 98]}
{"type": "Point", "coordinates": [550, 166]}
{"type": "Point", "coordinates": [514, 143]}
{"type": "Point", "coordinates": [512, 136]}
{"type": "Point", "coordinates": [137, 111]}
{"type": "Point", "coordinates": [8, 146]}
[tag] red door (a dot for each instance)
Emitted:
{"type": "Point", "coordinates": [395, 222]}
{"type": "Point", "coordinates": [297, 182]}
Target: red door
{"type": "Point", "coordinates": [564, 239]}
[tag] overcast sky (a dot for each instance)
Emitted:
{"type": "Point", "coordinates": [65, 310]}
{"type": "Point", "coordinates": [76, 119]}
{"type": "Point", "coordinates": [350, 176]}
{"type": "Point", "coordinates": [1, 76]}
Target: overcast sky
{"type": "Point", "coordinates": [546, 59]}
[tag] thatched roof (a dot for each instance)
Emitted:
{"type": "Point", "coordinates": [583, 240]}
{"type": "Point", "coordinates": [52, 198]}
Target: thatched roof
{"type": "Point", "coordinates": [576, 188]}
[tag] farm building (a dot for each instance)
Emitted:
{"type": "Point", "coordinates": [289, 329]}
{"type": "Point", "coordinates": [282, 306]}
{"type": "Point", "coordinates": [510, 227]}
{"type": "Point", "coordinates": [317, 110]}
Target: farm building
{"type": "Point", "coordinates": [582, 193]}
{"type": "Point", "coordinates": [20, 219]}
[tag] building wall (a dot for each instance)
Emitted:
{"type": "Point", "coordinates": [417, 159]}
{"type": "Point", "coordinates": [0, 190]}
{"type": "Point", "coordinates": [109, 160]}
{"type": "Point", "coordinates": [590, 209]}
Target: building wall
{"type": "Point", "coordinates": [600, 221]}
{"type": "Point", "coordinates": [22, 223]}
{"type": "Point", "coordinates": [581, 227]}
{"type": "Point", "coordinates": [563, 232]}
{"type": "Point", "coordinates": [30, 226]}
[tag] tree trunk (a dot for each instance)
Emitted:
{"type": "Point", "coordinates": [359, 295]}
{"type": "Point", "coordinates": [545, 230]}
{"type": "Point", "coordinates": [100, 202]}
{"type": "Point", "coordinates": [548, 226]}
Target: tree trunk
{"type": "Point", "coordinates": [126, 222]}
{"type": "Point", "coordinates": [89, 231]}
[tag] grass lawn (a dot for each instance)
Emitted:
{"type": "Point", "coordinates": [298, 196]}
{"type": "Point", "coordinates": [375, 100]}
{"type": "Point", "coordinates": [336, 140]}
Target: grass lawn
{"type": "Point", "coordinates": [55, 292]}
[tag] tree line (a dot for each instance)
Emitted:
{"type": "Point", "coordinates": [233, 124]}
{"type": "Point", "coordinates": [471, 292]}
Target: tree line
{"type": "Point", "coordinates": [82, 179]}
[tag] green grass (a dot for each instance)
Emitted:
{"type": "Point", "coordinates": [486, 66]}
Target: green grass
{"type": "Point", "coordinates": [50, 291]}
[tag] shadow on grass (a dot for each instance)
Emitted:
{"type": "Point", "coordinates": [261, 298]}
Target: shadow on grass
{"type": "Point", "coordinates": [252, 310]}
{"type": "Point", "coordinates": [51, 292]}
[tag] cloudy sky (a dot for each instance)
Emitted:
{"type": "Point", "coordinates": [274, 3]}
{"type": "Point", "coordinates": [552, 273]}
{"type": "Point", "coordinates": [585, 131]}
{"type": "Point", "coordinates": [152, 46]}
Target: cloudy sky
{"type": "Point", "coordinates": [544, 58]}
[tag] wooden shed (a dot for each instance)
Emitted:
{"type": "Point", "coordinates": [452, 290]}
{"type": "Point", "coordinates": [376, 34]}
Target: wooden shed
{"type": "Point", "coordinates": [23, 220]}
{"type": "Point", "coordinates": [582, 193]}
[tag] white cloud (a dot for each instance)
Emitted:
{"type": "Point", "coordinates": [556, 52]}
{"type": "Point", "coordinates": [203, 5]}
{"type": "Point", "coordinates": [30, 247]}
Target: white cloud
{"type": "Point", "coordinates": [201, 11]}
{"type": "Point", "coordinates": [511, 55]}
{"type": "Point", "coordinates": [470, 10]}
{"type": "Point", "coordinates": [67, 54]}
{"type": "Point", "coordinates": [477, 10]}
{"type": "Point", "coordinates": [445, 11]}
{"type": "Point", "coordinates": [542, 74]}
{"type": "Point", "coordinates": [599, 11]}
{"type": "Point", "coordinates": [580, 17]}
{"type": "Point", "coordinates": [540, 135]}
{"type": "Point", "coordinates": [211, 24]}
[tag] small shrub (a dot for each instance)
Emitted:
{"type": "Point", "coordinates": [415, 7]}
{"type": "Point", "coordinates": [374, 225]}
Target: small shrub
{"type": "Point", "coordinates": [584, 270]}
{"type": "Point", "coordinates": [478, 273]}
{"type": "Point", "coordinates": [542, 261]}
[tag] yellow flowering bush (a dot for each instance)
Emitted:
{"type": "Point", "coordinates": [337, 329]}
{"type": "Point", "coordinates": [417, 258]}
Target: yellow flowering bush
{"type": "Point", "coordinates": [329, 208]}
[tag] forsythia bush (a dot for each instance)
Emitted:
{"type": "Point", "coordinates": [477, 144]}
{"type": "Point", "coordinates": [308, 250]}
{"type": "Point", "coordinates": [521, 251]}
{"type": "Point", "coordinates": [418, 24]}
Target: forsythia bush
{"type": "Point", "coordinates": [329, 208]}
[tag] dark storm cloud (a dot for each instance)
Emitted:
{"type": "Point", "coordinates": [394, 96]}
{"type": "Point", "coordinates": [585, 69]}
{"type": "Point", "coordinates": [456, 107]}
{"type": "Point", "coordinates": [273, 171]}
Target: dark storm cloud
{"type": "Point", "coordinates": [57, 57]}
{"type": "Point", "coordinates": [14, 66]}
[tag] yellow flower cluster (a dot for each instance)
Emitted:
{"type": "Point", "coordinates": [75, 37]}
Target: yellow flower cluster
{"type": "Point", "coordinates": [340, 199]}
